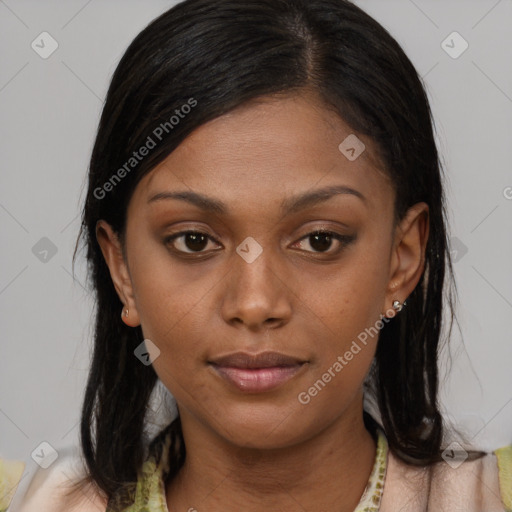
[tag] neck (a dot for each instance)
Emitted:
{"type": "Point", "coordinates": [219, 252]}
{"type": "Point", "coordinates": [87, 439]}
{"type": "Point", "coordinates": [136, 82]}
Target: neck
{"type": "Point", "coordinates": [327, 472]}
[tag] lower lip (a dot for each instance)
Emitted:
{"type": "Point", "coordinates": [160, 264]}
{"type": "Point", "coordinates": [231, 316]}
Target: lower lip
{"type": "Point", "coordinates": [257, 379]}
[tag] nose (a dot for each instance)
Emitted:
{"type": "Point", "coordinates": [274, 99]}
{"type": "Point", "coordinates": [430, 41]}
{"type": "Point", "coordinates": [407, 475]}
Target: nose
{"type": "Point", "coordinates": [256, 294]}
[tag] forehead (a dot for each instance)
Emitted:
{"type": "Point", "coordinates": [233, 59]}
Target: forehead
{"type": "Point", "coordinates": [268, 150]}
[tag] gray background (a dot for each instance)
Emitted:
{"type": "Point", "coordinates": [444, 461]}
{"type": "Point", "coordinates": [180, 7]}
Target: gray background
{"type": "Point", "coordinates": [50, 109]}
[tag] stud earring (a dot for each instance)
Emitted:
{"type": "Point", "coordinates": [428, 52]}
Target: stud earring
{"type": "Point", "coordinates": [397, 305]}
{"type": "Point", "coordinates": [124, 312]}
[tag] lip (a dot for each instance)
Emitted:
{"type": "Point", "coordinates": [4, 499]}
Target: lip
{"type": "Point", "coordinates": [257, 373]}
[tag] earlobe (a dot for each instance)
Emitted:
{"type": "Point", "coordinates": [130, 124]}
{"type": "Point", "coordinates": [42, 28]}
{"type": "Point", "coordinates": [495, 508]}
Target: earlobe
{"type": "Point", "coordinates": [112, 252]}
{"type": "Point", "coordinates": [408, 258]}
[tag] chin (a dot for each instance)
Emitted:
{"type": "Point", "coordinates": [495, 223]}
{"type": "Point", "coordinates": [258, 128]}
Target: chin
{"type": "Point", "coordinates": [263, 427]}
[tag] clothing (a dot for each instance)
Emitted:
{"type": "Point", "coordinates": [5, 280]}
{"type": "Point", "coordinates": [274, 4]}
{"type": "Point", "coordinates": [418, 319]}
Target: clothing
{"type": "Point", "coordinates": [474, 486]}
{"type": "Point", "coordinates": [150, 492]}
{"type": "Point", "coordinates": [11, 472]}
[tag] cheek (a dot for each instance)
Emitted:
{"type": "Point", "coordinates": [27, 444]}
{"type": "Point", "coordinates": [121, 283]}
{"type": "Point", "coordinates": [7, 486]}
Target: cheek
{"type": "Point", "coordinates": [167, 292]}
{"type": "Point", "coordinates": [347, 301]}
{"type": "Point", "coordinates": [346, 324]}
{"type": "Point", "coordinates": [343, 361]}
{"type": "Point", "coordinates": [181, 362]}
{"type": "Point", "coordinates": [341, 364]}
{"type": "Point", "coordinates": [171, 303]}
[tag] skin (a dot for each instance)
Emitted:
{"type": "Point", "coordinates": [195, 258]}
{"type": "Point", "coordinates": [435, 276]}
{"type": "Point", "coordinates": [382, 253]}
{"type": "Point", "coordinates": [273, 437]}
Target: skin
{"type": "Point", "coordinates": [267, 451]}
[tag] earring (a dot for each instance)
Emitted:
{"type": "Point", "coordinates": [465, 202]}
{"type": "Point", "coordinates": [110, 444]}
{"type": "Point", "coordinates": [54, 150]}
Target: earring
{"type": "Point", "coordinates": [397, 305]}
{"type": "Point", "coordinates": [125, 311]}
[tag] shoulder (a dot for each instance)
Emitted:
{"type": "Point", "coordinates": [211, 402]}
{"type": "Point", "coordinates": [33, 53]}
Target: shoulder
{"type": "Point", "coordinates": [49, 489]}
{"type": "Point", "coordinates": [469, 485]}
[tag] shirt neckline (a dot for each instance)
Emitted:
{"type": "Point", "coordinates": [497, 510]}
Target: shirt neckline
{"type": "Point", "coordinates": [150, 492]}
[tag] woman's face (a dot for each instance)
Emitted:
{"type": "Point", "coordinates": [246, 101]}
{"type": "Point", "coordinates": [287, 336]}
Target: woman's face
{"type": "Point", "coordinates": [255, 184]}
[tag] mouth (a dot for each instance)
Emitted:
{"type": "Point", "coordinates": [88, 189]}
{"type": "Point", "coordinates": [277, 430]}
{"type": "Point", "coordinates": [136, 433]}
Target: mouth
{"type": "Point", "coordinates": [257, 373]}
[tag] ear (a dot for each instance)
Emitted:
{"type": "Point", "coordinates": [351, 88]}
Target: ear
{"type": "Point", "coordinates": [408, 254]}
{"type": "Point", "coordinates": [113, 254]}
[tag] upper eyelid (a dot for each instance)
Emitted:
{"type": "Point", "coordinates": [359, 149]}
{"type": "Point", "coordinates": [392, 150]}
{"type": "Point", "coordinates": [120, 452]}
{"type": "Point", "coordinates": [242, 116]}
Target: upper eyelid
{"type": "Point", "coordinates": [198, 231]}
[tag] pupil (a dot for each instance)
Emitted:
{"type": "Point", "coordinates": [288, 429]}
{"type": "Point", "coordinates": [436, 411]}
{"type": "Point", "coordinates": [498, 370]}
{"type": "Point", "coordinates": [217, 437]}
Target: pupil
{"type": "Point", "coordinates": [320, 241]}
{"type": "Point", "coordinates": [196, 241]}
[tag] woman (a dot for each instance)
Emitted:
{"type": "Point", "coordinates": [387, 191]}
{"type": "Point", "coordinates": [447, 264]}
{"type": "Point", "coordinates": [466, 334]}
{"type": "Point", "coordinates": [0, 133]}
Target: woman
{"type": "Point", "coordinates": [265, 230]}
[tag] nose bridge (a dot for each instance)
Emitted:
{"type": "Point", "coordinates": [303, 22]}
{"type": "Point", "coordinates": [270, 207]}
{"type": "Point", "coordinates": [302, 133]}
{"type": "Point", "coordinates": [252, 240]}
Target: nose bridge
{"type": "Point", "coordinates": [255, 293]}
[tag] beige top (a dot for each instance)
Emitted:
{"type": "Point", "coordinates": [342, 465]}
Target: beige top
{"type": "Point", "coordinates": [482, 485]}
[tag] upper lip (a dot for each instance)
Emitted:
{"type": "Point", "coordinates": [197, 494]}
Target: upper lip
{"type": "Point", "coordinates": [262, 360]}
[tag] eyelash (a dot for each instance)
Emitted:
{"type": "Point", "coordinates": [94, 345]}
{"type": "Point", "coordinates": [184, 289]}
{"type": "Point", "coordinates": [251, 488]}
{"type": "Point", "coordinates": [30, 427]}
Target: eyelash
{"type": "Point", "coordinates": [344, 240]}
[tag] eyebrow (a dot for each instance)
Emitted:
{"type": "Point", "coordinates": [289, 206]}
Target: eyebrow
{"type": "Point", "coordinates": [288, 206]}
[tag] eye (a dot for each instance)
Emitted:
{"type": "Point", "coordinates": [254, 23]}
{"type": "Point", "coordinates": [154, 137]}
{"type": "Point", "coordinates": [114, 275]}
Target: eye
{"type": "Point", "coordinates": [189, 242]}
{"type": "Point", "coordinates": [322, 241]}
